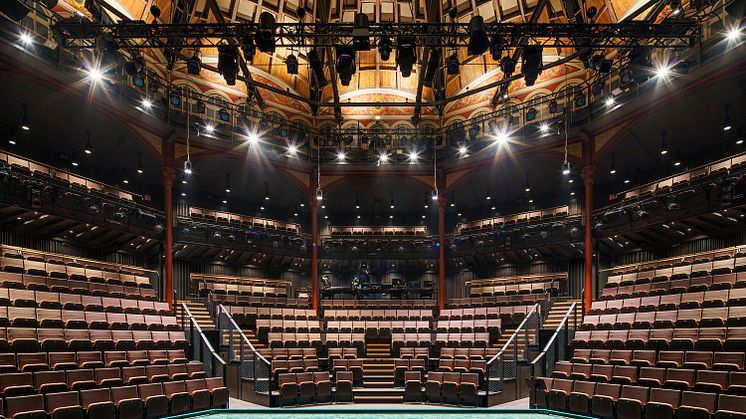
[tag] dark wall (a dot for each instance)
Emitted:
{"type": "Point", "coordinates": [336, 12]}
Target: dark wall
{"type": "Point", "coordinates": [457, 278]}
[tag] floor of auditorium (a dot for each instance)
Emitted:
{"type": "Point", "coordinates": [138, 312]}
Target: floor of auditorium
{"type": "Point", "coordinates": [515, 404]}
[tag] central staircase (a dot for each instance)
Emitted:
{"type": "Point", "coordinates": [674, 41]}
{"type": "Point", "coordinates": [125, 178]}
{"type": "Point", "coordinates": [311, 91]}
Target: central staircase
{"type": "Point", "coordinates": [378, 383]}
{"type": "Point", "coordinates": [557, 313]}
{"type": "Point", "coordinates": [200, 313]}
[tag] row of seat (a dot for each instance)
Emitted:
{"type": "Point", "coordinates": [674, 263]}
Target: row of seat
{"type": "Point", "coordinates": [22, 339]}
{"type": "Point", "coordinates": [259, 302]}
{"type": "Point", "coordinates": [483, 325]}
{"type": "Point", "coordinates": [409, 353]}
{"type": "Point", "coordinates": [341, 353]}
{"type": "Point", "coordinates": [75, 286]}
{"type": "Point", "coordinates": [242, 312]}
{"type": "Point", "coordinates": [482, 312]}
{"type": "Point", "coordinates": [526, 288]}
{"type": "Point", "coordinates": [48, 381]}
{"type": "Point", "coordinates": [454, 388]}
{"type": "Point", "coordinates": [314, 387]}
{"type": "Point", "coordinates": [468, 353]}
{"type": "Point", "coordinates": [391, 314]}
{"type": "Point", "coordinates": [713, 298]}
{"type": "Point", "coordinates": [497, 300]}
{"type": "Point", "coordinates": [463, 340]}
{"type": "Point", "coordinates": [354, 366]}
{"type": "Point", "coordinates": [708, 338]}
{"type": "Point", "coordinates": [292, 353]}
{"type": "Point", "coordinates": [80, 319]}
{"type": "Point", "coordinates": [281, 325]}
{"type": "Point", "coordinates": [361, 326]}
{"type": "Point", "coordinates": [399, 340]}
{"type": "Point", "coordinates": [644, 357]}
{"type": "Point", "coordinates": [57, 269]}
{"type": "Point", "coordinates": [684, 267]}
{"type": "Point", "coordinates": [10, 362]}
{"type": "Point", "coordinates": [695, 317]}
{"type": "Point", "coordinates": [713, 381]}
{"type": "Point", "coordinates": [677, 286]}
{"type": "Point", "coordinates": [58, 300]}
{"type": "Point", "coordinates": [478, 366]}
{"type": "Point", "coordinates": [347, 304]}
{"type": "Point", "coordinates": [205, 288]}
{"type": "Point", "coordinates": [301, 340]}
{"type": "Point", "coordinates": [403, 365]}
{"type": "Point", "coordinates": [294, 366]}
{"type": "Point", "coordinates": [611, 401]}
{"type": "Point", "coordinates": [127, 402]}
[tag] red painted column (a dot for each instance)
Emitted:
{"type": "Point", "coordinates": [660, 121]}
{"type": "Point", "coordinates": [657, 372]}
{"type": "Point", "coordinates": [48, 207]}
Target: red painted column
{"type": "Point", "coordinates": [588, 172]}
{"type": "Point", "coordinates": [441, 252]}
{"type": "Point", "coordinates": [169, 175]}
{"type": "Point", "coordinates": [315, 253]}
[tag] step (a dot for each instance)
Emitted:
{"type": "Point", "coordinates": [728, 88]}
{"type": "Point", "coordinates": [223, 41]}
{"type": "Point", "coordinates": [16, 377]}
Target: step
{"type": "Point", "coordinates": [378, 384]}
{"type": "Point", "coordinates": [378, 399]}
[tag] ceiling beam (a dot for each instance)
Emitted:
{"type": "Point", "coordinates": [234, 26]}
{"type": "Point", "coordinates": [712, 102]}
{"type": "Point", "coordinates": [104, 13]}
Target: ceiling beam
{"type": "Point", "coordinates": [215, 9]}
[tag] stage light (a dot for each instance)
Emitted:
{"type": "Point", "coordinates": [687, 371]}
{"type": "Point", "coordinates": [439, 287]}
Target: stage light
{"type": "Point", "coordinates": [664, 146]}
{"type": "Point", "coordinates": [433, 63]}
{"type": "Point", "coordinates": [463, 151]}
{"type": "Point", "coordinates": [496, 47]}
{"type": "Point", "coordinates": [676, 8]}
{"type": "Point", "coordinates": [739, 141]}
{"type": "Point", "coordinates": [531, 114]}
{"type": "Point", "coordinates": [266, 191]}
{"type": "Point", "coordinates": [146, 103]}
{"type": "Point", "coordinates": [25, 121]}
{"type": "Point", "coordinates": [317, 67]}
{"type": "Point", "coordinates": [74, 163]}
{"type": "Point", "coordinates": [345, 64]}
{"type": "Point", "coordinates": [194, 65]}
{"type": "Point", "coordinates": [26, 38]}
{"type": "Point", "coordinates": [319, 194]}
{"type": "Point", "coordinates": [135, 66]}
{"type": "Point", "coordinates": [662, 71]}
{"type": "Point", "coordinates": [252, 138]}
{"type": "Point", "coordinates": [341, 156]}
{"type": "Point", "coordinates": [478, 41]}
{"type": "Point", "coordinates": [531, 64]}
{"type": "Point", "coordinates": [383, 158]}
{"type": "Point", "coordinates": [12, 142]}
{"type": "Point", "coordinates": [507, 65]}
{"type": "Point", "coordinates": [248, 48]}
{"type": "Point", "coordinates": [553, 106]}
{"type": "Point", "coordinates": [88, 148]}
{"type": "Point", "coordinates": [601, 64]}
{"type": "Point", "coordinates": [405, 54]}
{"type": "Point", "coordinates": [433, 195]}
{"type": "Point", "coordinates": [227, 63]}
{"type": "Point", "coordinates": [265, 34]}
{"type": "Point", "coordinates": [626, 181]}
{"type": "Point", "coordinates": [384, 48]}
{"type": "Point", "coordinates": [609, 101]}
{"type": "Point", "coordinates": [95, 74]}
{"type": "Point", "coordinates": [501, 137]}
{"type": "Point", "coordinates": [566, 168]}
{"type": "Point", "coordinates": [361, 32]}
{"type": "Point", "coordinates": [413, 156]}
{"type": "Point", "coordinates": [544, 128]}
{"type": "Point", "coordinates": [580, 100]}
{"type": "Point", "coordinates": [291, 64]}
{"type": "Point", "coordinates": [452, 65]}
{"type": "Point", "coordinates": [292, 149]}
{"type": "Point", "coordinates": [125, 179]}
{"type": "Point", "coordinates": [733, 34]}
{"type": "Point", "coordinates": [209, 128]}
{"type": "Point", "coordinates": [224, 115]}
{"type": "Point", "coordinates": [227, 183]}
{"type": "Point", "coordinates": [140, 169]}
{"type": "Point", "coordinates": [727, 121]}
{"type": "Point", "coordinates": [612, 168]}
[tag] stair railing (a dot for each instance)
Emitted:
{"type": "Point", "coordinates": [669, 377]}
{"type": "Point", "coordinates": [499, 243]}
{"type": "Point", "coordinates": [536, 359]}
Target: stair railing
{"type": "Point", "coordinates": [200, 348]}
{"type": "Point", "coordinates": [254, 367]}
{"type": "Point", "coordinates": [502, 367]}
{"type": "Point", "coordinates": [556, 348]}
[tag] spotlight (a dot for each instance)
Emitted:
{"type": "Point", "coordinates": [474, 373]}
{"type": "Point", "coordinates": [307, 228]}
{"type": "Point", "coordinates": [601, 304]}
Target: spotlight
{"type": "Point", "coordinates": [319, 194]}
{"type": "Point", "coordinates": [361, 33]}
{"type": "Point", "coordinates": [25, 121]}
{"type": "Point", "coordinates": [566, 168]}
{"type": "Point", "coordinates": [341, 156]}
{"type": "Point", "coordinates": [727, 121]}
{"type": "Point", "coordinates": [531, 114]}
{"type": "Point", "coordinates": [12, 142]}
{"type": "Point", "coordinates": [612, 168]}
{"type": "Point", "coordinates": [317, 67]}
{"type": "Point", "coordinates": [734, 34]}
{"type": "Point", "coordinates": [194, 65]}
{"type": "Point", "coordinates": [265, 34]}
{"type": "Point", "coordinates": [383, 158]}
{"type": "Point", "coordinates": [496, 47]}
{"type": "Point", "coordinates": [248, 48]}
{"type": "Point", "coordinates": [463, 151]}
{"type": "Point", "coordinates": [640, 62]}
{"type": "Point", "coordinates": [252, 138]}
{"type": "Point", "coordinates": [579, 100]}
{"type": "Point", "coordinates": [501, 137]}
{"type": "Point", "coordinates": [452, 65]}
{"type": "Point", "coordinates": [433, 195]}
{"type": "Point", "coordinates": [384, 48]}
{"type": "Point", "coordinates": [405, 54]}
{"type": "Point", "coordinates": [478, 41]}
{"type": "Point", "coordinates": [291, 64]}
{"type": "Point", "coordinates": [88, 148]}
{"type": "Point", "coordinates": [266, 191]}
{"type": "Point", "coordinates": [544, 128]}
{"type": "Point", "coordinates": [26, 38]}
{"type": "Point", "coordinates": [95, 74]}
{"type": "Point", "coordinates": [664, 146]}
{"type": "Point", "coordinates": [188, 167]}
{"type": "Point", "coordinates": [135, 66]}
{"type": "Point", "coordinates": [675, 7]}
{"type": "Point", "coordinates": [292, 149]}
{"type": "Point", "coordinates": [601, 64]}
{"type": "Point", "coordinates": [227, 183]}
{"type": "Point", "coordinates": [139, 164]}
{"type": "Point", "coordinates": [662, 71]}
{"type": "Point", "coordinates": [507, 65]}
{"type": "Point", "coordinates": [413, 156]}
{"type": "Point", "coordinates": [209, 128]}
{"type": "Point", "coordinates": [532, 63]}
{"type": "Point", "coordinates": [433, 62]}
{"type": "Point", "coordinates": [345, 64]}
{"type": "Point", "coordinates": [227, 63]}
{"type": "Point", "coordinates": [609, 101]}
{"type": "Point", "coordinates": [223, 115]}
{"type": "Point", "coordinates": [553, 106]}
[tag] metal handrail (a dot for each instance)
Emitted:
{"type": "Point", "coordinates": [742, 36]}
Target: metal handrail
{"type": "Point", "coordinates": [195, 326]}
{"type": "Point", "coordinates": [241, 333]}
{"type": "Point", "coordinates": [564, 321]}
{"type": "Point", "coordinates": [513, 336]}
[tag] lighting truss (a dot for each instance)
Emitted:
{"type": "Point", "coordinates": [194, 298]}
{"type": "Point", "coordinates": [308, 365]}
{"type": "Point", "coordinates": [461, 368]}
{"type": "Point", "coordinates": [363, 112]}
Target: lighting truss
{"type": "Point", "coordinates": [137, 34]}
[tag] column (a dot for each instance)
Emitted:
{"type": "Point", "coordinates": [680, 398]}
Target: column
{"type": "Point", "coordinates": [315, 253]}
{"type": "Point", "coordinates": [441, 252]}
{"type": "Point", "coordinates": [588, 173]}
{"type": "Point", "coordinates": [169, 175]}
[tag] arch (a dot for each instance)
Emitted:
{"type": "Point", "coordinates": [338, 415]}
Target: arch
{"type": "Point", "coordinates": [403, 176]}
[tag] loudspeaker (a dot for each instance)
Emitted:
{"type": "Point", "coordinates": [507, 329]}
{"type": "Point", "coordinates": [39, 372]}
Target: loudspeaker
{"type": "Point", "coordinates": [14, 9]}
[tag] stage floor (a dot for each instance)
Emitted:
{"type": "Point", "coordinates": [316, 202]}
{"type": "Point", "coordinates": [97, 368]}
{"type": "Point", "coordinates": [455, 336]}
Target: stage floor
{"type": "Point", "coordinates": [412, 411]}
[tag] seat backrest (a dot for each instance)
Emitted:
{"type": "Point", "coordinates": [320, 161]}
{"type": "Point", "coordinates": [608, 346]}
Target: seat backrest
{"type": "Point", "coordinates": [732, 403]}
{"type": "Point", "coordinates": [124, 392]}
{"type": "Point", "coordinates": [636, 393]}
{"type": "Point", "coordinates": [435, 376]}
{"type": "Point", "coordinates": [562, 385]}
{"type": "Point", "coordinates": [702, 400]}
{"type": "Point", "coordinates": [584, 387]}
{"type": "Point", "coordinates": [64, 399]}
{"type": "Point", "coordinates": [610, 390]}
{"type": "Point", "coordinates": [681, 374]}
{"type": "Point", "coordinates": [664, 395]}
{"type": "Point", "coordinates": [88, 397]}
{"type": "Point", "coordinates": [14, 405]}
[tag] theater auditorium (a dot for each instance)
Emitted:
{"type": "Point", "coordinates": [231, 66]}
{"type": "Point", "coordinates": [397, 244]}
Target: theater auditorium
{"type": "Point", "coordinates": [508, 209]}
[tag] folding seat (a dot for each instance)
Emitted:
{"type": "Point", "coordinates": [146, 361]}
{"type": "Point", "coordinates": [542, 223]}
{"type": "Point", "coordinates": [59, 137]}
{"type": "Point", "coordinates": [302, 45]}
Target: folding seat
{"type": "Point", "coordinates": [660, 339]}
{"type": "Point", "coordinates": [604, 399]}
{"type": "Point", "coordinates": [22, 317]}
{"type": "Point", "coordinates": [697, 360]}
{"type": "Point", "coordinates": [138, 358]}
{"type": "Point", "coordinates": [557, 396]}
{"type": "Point", "coordinates": [670, 359]}
{"type": "Point", "coordinates": [696, 405]}
{"type": "Point", "coordinates": [136, 321]}
{"type": "Point", "coordinates": [711, 381]}
{"type": "Point", "coordinates": [155, 322]}
{"type": "Point", "coordinates": [157, 373]}
{"type": "Point", "coordinates": [600, 373]}
{"type": "Point", "coordinates": [178, 340]}
{"type": "Point", "coordinates": [92, 303]}
{"type": "Point", "coordinates": [71, 302]}
{"type": "Point", "coordinates": [620, 357]}
{"type": "Point", "coordinates": [61, 361]}
{"type": "Point", "coordinates": [598, 338]}
{"type": "Point", "coordinates": [599, 356]}
{"type": "Point", "coordinates": [177, 372]}
{"type": "Point", "coordinates": [116, 359]}
{"type": "Point", "coordinates": [630, 404]}
{"type": "Point", "coordinates": [581, 355]}
{"type": "Point", "coordinates": [343, 386]}
{"type": "Point", "coordinates": [736, 339]}
{"type": "Point", "coordinates": [644, 320]}
{"type": "Point", "coordinates": [143, 339]}
{"type": "Point", "coordinates": [562, 369]}
{"type": "Point", "coordinates": [737, 383]}
{"type": "Point", "coordinates": [32, 362]}
{"type": "Point", "coordinates": [50, 381]}
{"type": "Point", "coordinates": [158, 357]}
{"type": "Point", "coordinates": [624, 375]}
{"type": "Point", "coordinates": [641, 290]}
{"type": "Point", "coordinates": [16, 384]}
{"type": "Point", "coordinates": [737, 296]}
{"type": "Point", "coordinates": [663, 403]}
{"type": "Point", "coordinates": [700, 283]}
{"type": "Point", "coordinates": [689, 317]}
{"type": "Point", "coordinates": [728, 361]}
{"type": "Point", "coordinates": [449, 387]}
{"type": "Point", "coordinates": [651, 376]}
{"type": "Point", "coordinates": [606, 322]}
{"type": "Point", "coordinates": [134, 375]}
{"type": "Point", "coordinates": [178, 399]}
{"type": "Point", "coordinates": [22, 298]}
{"type": "Point", "coordinates": [468, 389]}
{"type": "Point", "coordinates": [680, 339]}
{"type": "Point", "coordinates": [730, 407]}
{"type": "Point", "coordinates": [624, 321]}
{"type": "Point", "coordinates": [680, 379]}
{"type": "Point", "coordinates": [108, 377]}
{"type": "Point", "coordinates": [123, 340]}
{"type": "Point", "coordinates": [154, 400]}
{"type": "Point", "coordinates": [610, 306]}
{"type": "Point", "coordinates": [127, 401]}
{"type": "Point", "coordinates": [25, 407]}
{"type": "Point", "coordinates": [716, 298]}
{"type": "Point", "coordinates": [288, 389]}
{"type": "Point", "coordinates": [711, 339]}
{"type": "Point", "coordinates": [306, 388]}
{"type": "Point", "coordinates": [637, 339]}
{"type": "Point", "coordinates": [659, 288]}
{"type": "Point", "coordinates": [97, 404]}
{"type": "Point", "coordinates": [579, 400]}
{"type": "Point", "coordinates": [649, 303]}
{"type": "Point", "coordinates": [81, 379]}
{"type": "Point", "coordinates": [665, 319]}
{"type": "Point", "coordinates": [120, 305]}
{"type": "Point", "coordinates": [667, 302]}
{"type": "Point", "coordinates": [736, 316]}
{"type": "Point", "coordinates": [7, 363]}
{"type": "Point", "coordinates": [52, 340]}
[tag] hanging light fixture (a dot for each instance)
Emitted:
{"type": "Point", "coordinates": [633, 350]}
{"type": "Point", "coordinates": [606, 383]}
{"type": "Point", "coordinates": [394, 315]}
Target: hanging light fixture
{"type": "Point", "coordinates": [139, 163]}
{"type": "Point", "coordinates": [227, 183]}
{"type": "Point", "coordinates": [25, 123]}
{"type": "Point", "coordinates": [88, 148]}
{"type": "Point", "coordinates": [664, 146]}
